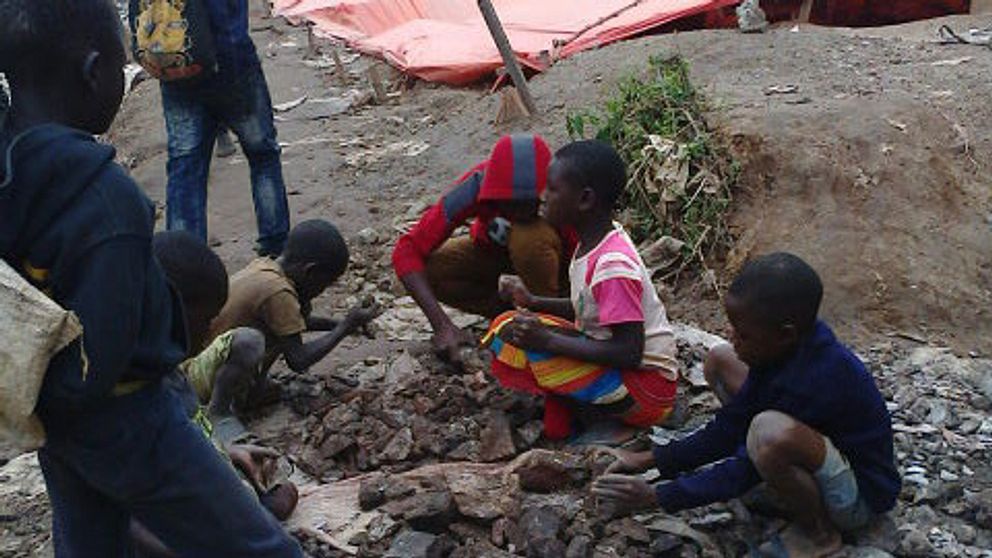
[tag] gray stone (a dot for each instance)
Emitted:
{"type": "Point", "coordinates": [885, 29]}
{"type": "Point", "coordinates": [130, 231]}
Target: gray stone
{"type": "Point", "coordinates": [867, 552]}
{"type": "Point", "coordinates": [545, 548]}
{"type": "Point", "coordinates": [664, 545]}
{"type": "Point", "coordinates": [428, 511]}
{"type": "Point", "coordinates": [914, 544]}
{"type": "Point", "coordinates": [579, 547]}
{"type": "Point", "coordinates": [540, 527]}
{"type": "Point", "coordinates": [372, 493]}
{"type": "Point", "coordinates": [412, 544]}
{"type": "Point", "coordinates": [399, 446]}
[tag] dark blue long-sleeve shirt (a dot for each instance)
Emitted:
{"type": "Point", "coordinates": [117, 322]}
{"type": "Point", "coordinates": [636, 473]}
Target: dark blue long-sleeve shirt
{"type": "Point", "coordinates": [232, 42]}
{"type": "Point", "coordinates": [824, 386]}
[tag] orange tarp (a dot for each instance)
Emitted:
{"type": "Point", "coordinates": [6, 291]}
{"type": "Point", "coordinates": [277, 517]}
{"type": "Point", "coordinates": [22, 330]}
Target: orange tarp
{"type": "Point", "coordinates": [447, 40]}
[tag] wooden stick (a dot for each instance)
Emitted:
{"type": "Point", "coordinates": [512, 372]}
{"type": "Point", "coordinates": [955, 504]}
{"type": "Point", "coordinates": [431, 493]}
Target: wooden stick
{"type": "Point", "coordinates": [377, 87]}
{"type": "Point", "coordinates": [339, 68]}
{"type": "Point", "coordinates": [509, 60]}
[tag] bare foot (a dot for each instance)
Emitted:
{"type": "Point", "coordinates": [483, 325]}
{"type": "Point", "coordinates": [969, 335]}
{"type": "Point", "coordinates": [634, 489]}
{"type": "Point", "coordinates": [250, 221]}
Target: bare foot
{"type": "Point", "coordinates": [794, 542]}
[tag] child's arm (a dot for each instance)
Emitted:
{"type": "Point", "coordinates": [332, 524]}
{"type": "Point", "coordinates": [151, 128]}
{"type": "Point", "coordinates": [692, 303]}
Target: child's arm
{"type": "Point", "coordinates": [513, 290]}
{"type": "Point", "coordinates": [317, 323]}
{"type": "Point", "coordinates": [623, 350]}
{"type": "Point", "coordinates": [300, 356]}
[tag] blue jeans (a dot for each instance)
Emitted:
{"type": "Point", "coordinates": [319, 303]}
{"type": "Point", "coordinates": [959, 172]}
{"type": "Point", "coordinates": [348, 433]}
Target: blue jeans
{"type": "Point", "coordinates": [140, 456]}
{"type": "Point", "coordinates": [193, 114]}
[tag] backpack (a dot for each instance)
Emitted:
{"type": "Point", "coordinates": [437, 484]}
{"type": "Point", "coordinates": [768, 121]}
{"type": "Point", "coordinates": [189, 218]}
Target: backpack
{"type": "Point", "coordinates": [171, 39]}
{"type": "Point", "coordinates": [34, 328]}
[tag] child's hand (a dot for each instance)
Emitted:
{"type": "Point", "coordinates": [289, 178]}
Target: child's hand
{"type": "Point", "coordinates": [527, 332]}
{"type": "Point", "coordinates": [513, 290]}
{"type": "Point", "coordinates": [250, 460]}
{"type": "Point", "coordinates": [631, 494]}
{"type": "Point", "coordinates": [628, 462]}
{"type": "Point", "coordinates": [449, 341]}
{"type": "Point", "coordinates": [362, 314]}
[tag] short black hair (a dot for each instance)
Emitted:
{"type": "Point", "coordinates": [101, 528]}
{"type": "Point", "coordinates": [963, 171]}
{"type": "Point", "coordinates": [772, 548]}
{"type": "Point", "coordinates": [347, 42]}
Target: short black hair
{"type": "Point", "coordinates": [782, 288]}
{"type": "Point", "coordinates": [36, 33]}
{"type": "Point", "coordinates": [594, 164]}
{"type": "Point", "coordinates": [318, 242]}
{"type": "Point", "coordinates": [192, 267]}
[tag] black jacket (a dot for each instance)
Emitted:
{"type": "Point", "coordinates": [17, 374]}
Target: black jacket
{"type": "Point", "coordinates": [75, 225]}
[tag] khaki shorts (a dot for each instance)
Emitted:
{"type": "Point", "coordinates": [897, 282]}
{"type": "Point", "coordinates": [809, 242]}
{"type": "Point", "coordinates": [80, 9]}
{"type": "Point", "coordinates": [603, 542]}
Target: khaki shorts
{"type": "Point", "coordinates": [839, 489]}
{"type": "Point", "coordinates": [201, 370]}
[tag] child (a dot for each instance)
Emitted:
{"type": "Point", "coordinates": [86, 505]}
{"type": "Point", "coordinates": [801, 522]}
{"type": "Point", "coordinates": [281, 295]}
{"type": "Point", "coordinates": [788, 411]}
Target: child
{"type": "Point", "coordinates": [118, 443]}
{"type": "Point", "coordinates": [224, 369]}
{"type": "Point", "coordinates": [621, 360]}
{"type": "Point", "coordinates": [499, 200]}
{"type": "Point", "coordinates": [803, 415]}
{"type": "Point", "coordinates": [274, 297]}
{"type": "Point", "coordinates": [199, 277]}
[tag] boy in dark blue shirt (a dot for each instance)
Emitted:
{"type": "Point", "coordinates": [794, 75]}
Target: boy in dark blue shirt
{"type": "Point", "coordinates": [800, 413]}
{"type": "Point", "coordinates": [119, 445]}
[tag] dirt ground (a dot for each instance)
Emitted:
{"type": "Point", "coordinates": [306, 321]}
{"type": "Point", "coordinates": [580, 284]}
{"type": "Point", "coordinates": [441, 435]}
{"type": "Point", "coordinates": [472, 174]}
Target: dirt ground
{"type": "Point", "coordinates": [876, 169]}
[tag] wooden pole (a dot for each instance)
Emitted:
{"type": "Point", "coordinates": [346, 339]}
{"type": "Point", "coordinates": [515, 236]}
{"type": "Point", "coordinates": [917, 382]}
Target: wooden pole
{"type": "Point", "coordinates": [509, 60]}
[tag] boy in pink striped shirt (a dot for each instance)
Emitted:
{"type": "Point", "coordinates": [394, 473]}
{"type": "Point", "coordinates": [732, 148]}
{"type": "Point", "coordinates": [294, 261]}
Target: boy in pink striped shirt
{"type": "Point", "coordinates": [608, 350]}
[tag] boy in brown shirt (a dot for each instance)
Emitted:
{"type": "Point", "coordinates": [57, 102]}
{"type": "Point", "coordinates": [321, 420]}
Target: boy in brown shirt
{"type": "Point", "coordinates": [274, 297]}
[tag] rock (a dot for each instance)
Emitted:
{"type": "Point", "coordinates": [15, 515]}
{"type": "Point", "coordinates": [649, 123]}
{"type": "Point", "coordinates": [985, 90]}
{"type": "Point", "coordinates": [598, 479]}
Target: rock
{"type": "Point", "coordinates": [630, 529]}
{"type": "Point", "coordinates": [664, 545]}
{"type": "Point", "coordinates": [476, 496]}
{"type": "Point", "coordinates": [964, 533]}
{"type": "Point", "coordinates": [981, 504]}
{"type": "Point", "coordinates": [372, 493]}
{"type": "Point", "coordinates": [980, 376]}
{"type": "Point", "coordinates": [545, 548]}
{"type": "Point", "coordinates": [401, 370]}
{"type": "Point", "coordinates": [530, 433]}
{"type": "Point", "coordinates": [545, 472]}
{"type": "Point", "coordinates": [751, 18]}
{"type": "Point", "coordinates": [397, 488]}
{"type": "Point", "coordinates": [368, 236]}
{"type": "Point", "coordinates": [382, 527]}
{"type": "Point", "coordinates": [467, 451]}
{"type": "Point", "coordinates": [915, 544]}
{"type": "Point", "coordinates": [579, 547]}
{"type": "Point", "coordinates": [496, 438]}
{"type": "Point", "coordinates": [334, 445]}
{"type": "Point", "coordinates": [399, 447]}
{"type": "Point", "coordinates": [867, 552]}
{"type": "Point", "coordinates": [540, 527]}
{"type": "Point", "coordinates": [427, 511]}
{"type": "Point", "coordinates": [414, 544]}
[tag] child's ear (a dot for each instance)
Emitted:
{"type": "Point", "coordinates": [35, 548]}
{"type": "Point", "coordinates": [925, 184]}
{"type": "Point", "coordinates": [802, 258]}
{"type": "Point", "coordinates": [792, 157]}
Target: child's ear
{"type": "Point", "coordinates": [587, 199]}
{"type": "Point", "coordinates": [91, 70]}
{"type": "Point", "coordinates": [790, 334]}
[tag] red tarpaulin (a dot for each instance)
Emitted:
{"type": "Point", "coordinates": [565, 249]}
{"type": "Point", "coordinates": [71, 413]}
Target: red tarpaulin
{"type": "Point", "coordinates": [447, 40]}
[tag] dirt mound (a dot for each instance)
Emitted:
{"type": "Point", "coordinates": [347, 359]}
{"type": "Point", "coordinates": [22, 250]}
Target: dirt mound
{"type": "Point", "coordinates": [869, 156]}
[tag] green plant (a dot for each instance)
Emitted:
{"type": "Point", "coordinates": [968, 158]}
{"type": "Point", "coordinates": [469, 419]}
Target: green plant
{"type": "Point", "coordinates": [680, 176]}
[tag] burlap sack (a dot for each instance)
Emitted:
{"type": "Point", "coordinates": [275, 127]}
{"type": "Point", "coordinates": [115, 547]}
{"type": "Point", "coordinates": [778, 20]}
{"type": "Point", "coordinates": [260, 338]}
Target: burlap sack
{"type": "Point", "coordinates": [33, 328]}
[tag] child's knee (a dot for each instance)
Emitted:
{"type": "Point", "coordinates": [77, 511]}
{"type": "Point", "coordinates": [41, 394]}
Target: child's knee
{"type": "Point", "coordinates": [770, 437]}
{"type": "Point", "coordinates": [247, 348]}
{"type": "Point", "coordinates": [717, 360]}
{"type": "Point", "coordinates": [538, 236]}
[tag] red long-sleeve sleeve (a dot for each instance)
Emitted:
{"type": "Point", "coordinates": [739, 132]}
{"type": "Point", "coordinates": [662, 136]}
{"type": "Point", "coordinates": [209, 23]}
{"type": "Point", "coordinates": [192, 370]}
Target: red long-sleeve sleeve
{"type": "Point", "coordinates": [437, 223]}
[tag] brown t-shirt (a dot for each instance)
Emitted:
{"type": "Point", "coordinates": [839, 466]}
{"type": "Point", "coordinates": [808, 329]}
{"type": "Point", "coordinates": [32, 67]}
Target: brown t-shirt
{"type": "Point", "coordinates": [263, 298]}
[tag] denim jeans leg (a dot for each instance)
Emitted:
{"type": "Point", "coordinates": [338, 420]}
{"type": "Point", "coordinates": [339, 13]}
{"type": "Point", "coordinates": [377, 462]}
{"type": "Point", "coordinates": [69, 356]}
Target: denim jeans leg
{"type": "Point", "coordinates": [141, 455]}
{"type": "Point", "coordinates": [192, 131]}
{"type": "Point", "coordinates": [85, 523]}
{"type": "Point", "coordinates": [253, 123]}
